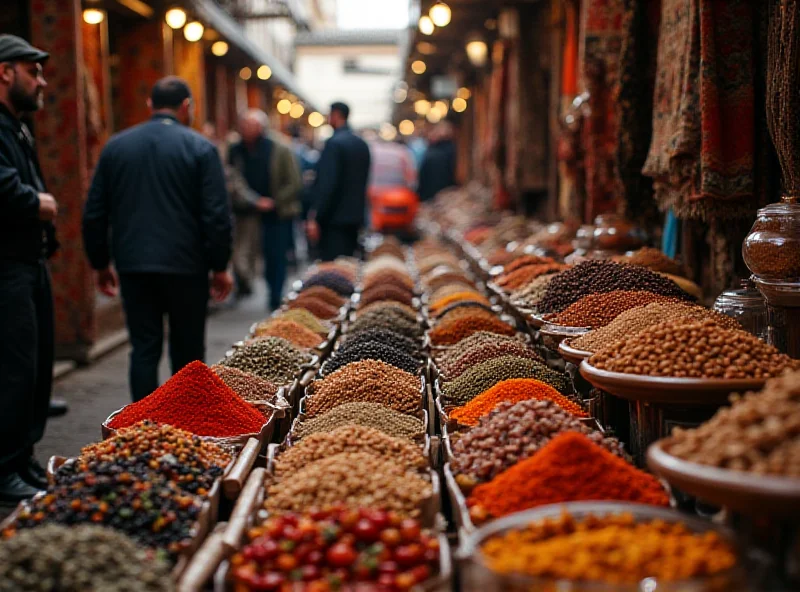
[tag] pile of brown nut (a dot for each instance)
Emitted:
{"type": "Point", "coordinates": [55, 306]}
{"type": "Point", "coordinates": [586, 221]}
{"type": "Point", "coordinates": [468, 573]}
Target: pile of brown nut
{"type": "Point", "coordinates": [368, 381]}
{"type": "Point", "coordinates": [513, 432]}
{"type": "Point", "coordinates": [349, 439]}
{"type": "Point", "coordinates": [693, 349]}
{"type": "Point", "coordinates": [372, 415]}
{"type": "Point", "coordinates": [759, 433]}
{"type": "Point", "coordinates": [354, 479]}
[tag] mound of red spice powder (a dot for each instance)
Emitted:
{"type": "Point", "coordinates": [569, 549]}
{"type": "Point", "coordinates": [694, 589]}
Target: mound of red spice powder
{"type": "Point", "coordinates": [570, 468]}
{"type": "Point", "coordinates": [196, 400]}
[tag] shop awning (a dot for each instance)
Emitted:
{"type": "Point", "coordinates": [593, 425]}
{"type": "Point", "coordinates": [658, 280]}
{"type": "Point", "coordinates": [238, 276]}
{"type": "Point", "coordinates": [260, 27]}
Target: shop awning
{"type": "Point", "coordinates": [229, 29]}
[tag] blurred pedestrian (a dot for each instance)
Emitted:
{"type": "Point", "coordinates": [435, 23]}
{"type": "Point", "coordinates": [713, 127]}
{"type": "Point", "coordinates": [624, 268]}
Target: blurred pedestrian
{"type": "Point", "coordinates": [159, 210]}
{"type": "Point", "coordinates": [340, 190]}
{"type": "Point", "coordinates": [27, 240]}
{"type": "Point", "coordinates": [273, 176]}
{"type": "Point", "coordinates": [438, 168]}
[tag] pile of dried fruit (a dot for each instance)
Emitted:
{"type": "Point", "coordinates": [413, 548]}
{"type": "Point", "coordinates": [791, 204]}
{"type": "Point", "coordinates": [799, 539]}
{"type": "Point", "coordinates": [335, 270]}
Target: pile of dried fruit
{"type": "Point", "coordinates": [336, 549]}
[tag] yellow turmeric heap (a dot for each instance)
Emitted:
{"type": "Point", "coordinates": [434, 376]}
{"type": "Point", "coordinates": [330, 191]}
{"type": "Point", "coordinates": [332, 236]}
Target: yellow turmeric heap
{"type": "Point", "coordinates": [612, 549]}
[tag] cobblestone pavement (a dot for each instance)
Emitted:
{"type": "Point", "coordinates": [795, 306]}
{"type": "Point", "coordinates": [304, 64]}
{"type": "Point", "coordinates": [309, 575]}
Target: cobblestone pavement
{"type": "Point", "coordinates": [94, 392]}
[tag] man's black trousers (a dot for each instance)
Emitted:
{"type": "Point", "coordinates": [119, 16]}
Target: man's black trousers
{"type": "Point", "coordinates": [338, 241]}
{"type": "Point", "coordinates": [26, 358]}
{"type": "Point", "coordinates": [147, 299]}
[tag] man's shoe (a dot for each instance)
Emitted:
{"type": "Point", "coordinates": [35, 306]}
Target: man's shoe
{"type": "Point", "coordinates": [33, 474]}
{"type": "Point", "coordinates": [14, 490]}
{"type": "Point", "coordinates": [58, 407]}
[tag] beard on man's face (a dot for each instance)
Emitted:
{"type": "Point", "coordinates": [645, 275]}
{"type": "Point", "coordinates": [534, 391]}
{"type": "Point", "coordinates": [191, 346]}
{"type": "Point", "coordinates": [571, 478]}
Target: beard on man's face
{"type": "Point", "coordinates": [24, 101]}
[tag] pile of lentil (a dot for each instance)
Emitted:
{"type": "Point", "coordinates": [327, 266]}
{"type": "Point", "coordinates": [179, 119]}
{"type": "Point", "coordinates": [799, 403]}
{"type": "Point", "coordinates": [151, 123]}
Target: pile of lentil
{"type": "Point", "coordinates": [372, 415]}
{"type": "Point", "coordinates": [324, 294]}
{"type": "Point", "coordinates": [289, 330]}
{"type": "Point", "coordinates": [270, 358]}
{"type": "Point", "coordinates": [390, 246]}
{"type": "Point", "coordinates": [636, 319]}
{"type": "Point", "coordinates": [304, 317]}
{"type": "Point", "coordinates": [596, 276]}
{"type": "Point", "coordinates": [436, 297]}
{"type": "Point", "coordinates": [353, 479]}
{"type": "Point", "coordinates": [501, 257]}
{"type": "Point", "coordinates": [598, 310]}
{"type": "Point", "coordinates": [568, 468]}
{"type": "Point", "coordinates": [389, 276]}
{"type": "Point", "coordinates": [525, 275]}
{"type": "Point", "coordinates": [180, 456]}
{"type": "Point", "coordinates": [351, 438]}
{"type": "Point", "coordinates": [758, 433]}
{"type": "Point", "coordinates": [248, 386]}
{"type": "Point", "coordinates": [450, 354]}
{"type": "Point", "coordinates": [196, 400]}
{"type": "Point", "coordinates": [79, 558]}
{"type": "Point", "coordinates": [485, 375]}
{"type": "Point", "coordinates": [614, 549]}
{"type": "Point", "coordinates": [466, 303]}
{"type": "Point", "coordinates": [693, 349]}
{"type": "Point", "coordinates": [384, 315]}
{"type": "Point", "coordinates": [513, 432]}
{"type": "Point", "coordinates": [333, 279]}
{"type": "Point", "coordinates": [384, 263]}
{"type": "Point", "coordinates": [386, 336]}
{"type": "Point", "coordinates": [372, 350]}
{"type": "Point", "coordinates": [383, 292]}
{"type": "Point", "coordinates": [448, 332]}
{"type": "Point", "coordinates": [365, 381]}
{"type": "Point", "coordinates": [486, 351]}
{"type": "Point", "coordinates": [525, 261]}
{"type": "Point", "coordinates": [512, 391]}
{"type": "Point", "coordinates": [319, 308]}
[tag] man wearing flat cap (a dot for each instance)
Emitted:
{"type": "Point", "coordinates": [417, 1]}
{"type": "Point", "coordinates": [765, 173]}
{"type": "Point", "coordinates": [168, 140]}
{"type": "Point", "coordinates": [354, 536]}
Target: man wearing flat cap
{"type": "Point", "coordinates": [27, 240]}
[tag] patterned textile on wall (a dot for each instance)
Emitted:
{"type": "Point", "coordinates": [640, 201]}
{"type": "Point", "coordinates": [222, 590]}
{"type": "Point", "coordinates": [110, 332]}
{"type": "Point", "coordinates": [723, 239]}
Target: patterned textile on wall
{"type": "Point", "coordinates": [702, 154]}
{"type": "Point", "coordinates": [601, 40]}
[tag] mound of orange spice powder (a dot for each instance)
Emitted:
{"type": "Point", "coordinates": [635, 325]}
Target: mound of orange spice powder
{"type": "Point", "coordinates": [570, 468]}
{"type": "Point", "coordinates": [513, 390]}
{"type": "Point", "coordinates": [614, 549]}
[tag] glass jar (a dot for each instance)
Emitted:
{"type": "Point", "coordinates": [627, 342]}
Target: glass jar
{"type": "Point", "coordinates": [615, 234]}
{"type": "Point", "coordinates": [772, 249]}
{"type": "Point", "coordinates": [747, 306]}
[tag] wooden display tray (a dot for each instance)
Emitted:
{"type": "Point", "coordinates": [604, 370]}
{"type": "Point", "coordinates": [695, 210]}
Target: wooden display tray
{"type": "Point", "coordinates": [667, 390]}
{"type": "Point", "coordinates": [571, 354]}
{"type": "Point", "coordinates": [744, 492]}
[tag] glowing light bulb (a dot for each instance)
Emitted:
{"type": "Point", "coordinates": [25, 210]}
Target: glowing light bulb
{"type": "Point", "coordinates": [193, 31]}
{"type": "Point", "coordinates": [219, 49]}
{"type": "Point", "coordinates": [175, 17]}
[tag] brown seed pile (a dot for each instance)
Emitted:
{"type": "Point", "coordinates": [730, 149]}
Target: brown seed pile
{"type": "Point", "coordinates": [469, 303]}
{"type": "Point", "coordinates": [354, 479]}
{"type": "Point", "coordinates": [383, 263]}
{"type": "Point", "coordinates": [774, 259]}
{"type": "Point", "coordinates": [392, 308]}
{"type": "Point", "coordinates": [248, 386]}
{"type": "Point", "coordinates": [386, 317]}
{"type": "Point", "coordinates": [636, 319]}
{"type": "Point", "coordinates": [390, 246]}
{"type": "Point", "coordinates": [450, 354]}
{"type": "Point", "coordinates": [464, 311]}
{"type": "Point", "coordinates": [449, 290]}
{"type": "Point", "coordinates": [371, 415]}
{"type": "Point", "coordinates": [594, 276]}
{"type": "Point", "coordinates": [271, 358]}
{"type": "Point", "coordinates": [325, 294]}
{"type": "Point", "coordinates": [525, 275]}
{"type": "Point", "coordinates": [487, 351]}
{"type": "Point", "coordinates": [350, 438]}
{"type": "Point", "coordinates": [525, 261]}
{"type": "Point", "coordinates": [652, 259]}
{"type": "Point", "coordinates": [485, 375]}
{"type": "Point", "coordinates": [693, 349]}
{"type": "Point", "coordinates": [530, 294]}
{"type": "Point", "coordinates": [386, 292]}
{"type": "Point", "coordinates": [598, 310]}
{"type": "Point", "coordinates": [306, 318]}
{"type": "Point", "coordinates": [368, 381]}
{"type": "Point", "coordinates": [759, 433]}
{"type": "Point", "coordinates": [388, 276]}
{"type": "Point", "coordinates": [355, 351]}
{"type": "Point", "coordinates": [291, 331]}
{"type": "Point", "coordinates": [448, 332]}
{"type": "Point", "coordinates": [449, 278]}
{"type": "Point", "coordinates": [501, 256]}
{"type": "Point", "coordinates": [316, 306]}
{"type": "Point", "coordinates": [514, 432]}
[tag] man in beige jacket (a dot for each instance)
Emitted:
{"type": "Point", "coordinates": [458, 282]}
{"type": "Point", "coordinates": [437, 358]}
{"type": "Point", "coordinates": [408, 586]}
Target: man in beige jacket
{"type": "Point", "coordinates": [265, 207]}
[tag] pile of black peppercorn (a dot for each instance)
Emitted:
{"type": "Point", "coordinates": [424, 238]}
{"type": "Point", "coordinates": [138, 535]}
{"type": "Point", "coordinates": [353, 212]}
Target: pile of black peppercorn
{"type": "Point", "coordinates": [370, 350]}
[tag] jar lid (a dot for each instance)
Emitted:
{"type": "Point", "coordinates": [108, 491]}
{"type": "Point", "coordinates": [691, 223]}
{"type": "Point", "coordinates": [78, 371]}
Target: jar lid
{"type": "Point", "coordinates": [746, 295]}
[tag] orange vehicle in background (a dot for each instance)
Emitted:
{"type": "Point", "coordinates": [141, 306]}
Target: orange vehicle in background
{"type": "Point", "coordinates": [393, 208]}
{"type": "Point", "coordinates": [393, 202]}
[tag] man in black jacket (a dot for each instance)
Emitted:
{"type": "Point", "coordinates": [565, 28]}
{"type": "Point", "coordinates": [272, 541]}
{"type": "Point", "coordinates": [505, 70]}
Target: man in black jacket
{"type": "Point", "coordinates": [340, 190]}
{"type": "Point", "coordinates": [438, 168]}
{"type": "Point", "coordinates": [159, 187]}
{"type": "Point", "coordinates": [27, 240]}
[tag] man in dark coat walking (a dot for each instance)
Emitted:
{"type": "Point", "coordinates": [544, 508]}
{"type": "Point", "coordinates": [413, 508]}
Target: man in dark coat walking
{"type": "Point", "coordinates": [438, 168]}
{"type": "Point", "coordinates": [159, 191]}
{"type": "Point", "coordinates": [340, 190]}
{"type": "Point", "coordinates": [27, 240]}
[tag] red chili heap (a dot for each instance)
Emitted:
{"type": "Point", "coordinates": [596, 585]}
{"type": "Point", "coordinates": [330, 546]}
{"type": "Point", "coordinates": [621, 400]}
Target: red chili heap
{"type": "Point", "coordinates": [336, 549]}
{"type": "Point", "coordinates": [195, 399]}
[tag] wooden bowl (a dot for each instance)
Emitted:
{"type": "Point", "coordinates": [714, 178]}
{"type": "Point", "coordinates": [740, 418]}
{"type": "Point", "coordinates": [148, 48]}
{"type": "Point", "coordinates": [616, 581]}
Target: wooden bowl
{"type": "Point", "coordinates": [747, 493]}
{"type": "Point", "coordinates": [667, 390]}
{"type": "Point", "coordinates": [571, 354]}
